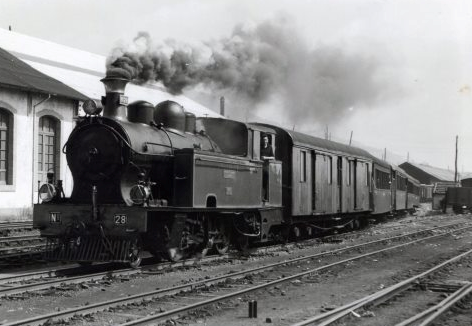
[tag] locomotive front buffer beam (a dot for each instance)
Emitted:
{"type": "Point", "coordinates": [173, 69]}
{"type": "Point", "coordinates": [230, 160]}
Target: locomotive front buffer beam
{"type": "Point", "coordinates": [76, 233]}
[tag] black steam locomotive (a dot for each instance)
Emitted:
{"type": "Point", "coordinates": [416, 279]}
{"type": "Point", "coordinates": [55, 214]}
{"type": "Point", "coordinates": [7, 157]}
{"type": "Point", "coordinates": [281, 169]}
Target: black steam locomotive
{"type": "Point", "coordinates": [158, 179]}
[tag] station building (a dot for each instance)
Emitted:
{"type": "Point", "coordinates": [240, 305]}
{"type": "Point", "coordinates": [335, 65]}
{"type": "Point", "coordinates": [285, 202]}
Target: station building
{"type": "Point", "coordinates": [42, 87]}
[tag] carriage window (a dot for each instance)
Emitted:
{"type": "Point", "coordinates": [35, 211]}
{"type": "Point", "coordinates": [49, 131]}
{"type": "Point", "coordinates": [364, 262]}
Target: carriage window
{"type": "Point", "coordinates": [250, 146]}
{"type": "Point", "coordinates": [302, 166]}
{"type": "Point", "coordinates": [256, 150]}
{"type": "Point", "coordinates": [410, 188]}
{"type": "Point", "coordinates": [382, 179]}
{"type": "Point", "coordinates": [401, 183]}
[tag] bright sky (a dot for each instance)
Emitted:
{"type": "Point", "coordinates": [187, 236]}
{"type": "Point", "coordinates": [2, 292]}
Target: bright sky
{"type": "Point", "coordinates": [423, 48]}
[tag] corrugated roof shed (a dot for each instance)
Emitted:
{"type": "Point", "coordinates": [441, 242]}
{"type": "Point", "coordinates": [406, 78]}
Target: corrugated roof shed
{"type": "Point", "coordinates": [15, 72]}
{"type": "Point", "coordinates": [83, 70]}
{"type": "Point", "coordinates": [441, 174]}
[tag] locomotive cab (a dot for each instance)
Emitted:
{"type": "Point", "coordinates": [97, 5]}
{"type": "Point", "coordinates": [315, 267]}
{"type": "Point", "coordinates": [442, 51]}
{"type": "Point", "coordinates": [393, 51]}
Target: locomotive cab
{"type": "Point", "coordinates": [246, 141]}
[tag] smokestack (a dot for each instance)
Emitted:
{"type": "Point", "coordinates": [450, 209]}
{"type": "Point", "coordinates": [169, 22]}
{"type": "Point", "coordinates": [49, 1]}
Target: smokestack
{"type": "Point", "coordinates": [115, 102]}
{"type": "Point", "coordinates": [222, 106]}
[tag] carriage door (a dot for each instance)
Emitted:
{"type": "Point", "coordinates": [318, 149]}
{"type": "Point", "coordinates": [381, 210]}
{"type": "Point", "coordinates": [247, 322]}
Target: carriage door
{"type": "Point", "coordinates": [393, 188]}
{"type": "Point", "coordinates": [354, 180]}
{"type": "Point", "coordinates": [340, 184]}
{"type": "Point", "coordinates": [313, 181]}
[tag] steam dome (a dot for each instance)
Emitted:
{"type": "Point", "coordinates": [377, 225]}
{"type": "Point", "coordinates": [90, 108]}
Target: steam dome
{"type": "Point", "coordinates": [140, 111]}
{"type": "Point", "coordinates": [171, 114]}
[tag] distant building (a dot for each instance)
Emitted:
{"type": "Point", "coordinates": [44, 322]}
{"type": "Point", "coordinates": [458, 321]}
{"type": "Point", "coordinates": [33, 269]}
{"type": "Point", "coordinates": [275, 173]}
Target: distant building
{"type": "Point", "coordinates": [428, 174]}
{"type": "Point", "coordinates": [42, 86]}
{"type": "Point", "coordinates": [434, 181]}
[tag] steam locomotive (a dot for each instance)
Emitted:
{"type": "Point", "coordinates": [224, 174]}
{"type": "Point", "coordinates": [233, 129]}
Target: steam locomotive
{"type": "Point", "coordinates": [158, 179]}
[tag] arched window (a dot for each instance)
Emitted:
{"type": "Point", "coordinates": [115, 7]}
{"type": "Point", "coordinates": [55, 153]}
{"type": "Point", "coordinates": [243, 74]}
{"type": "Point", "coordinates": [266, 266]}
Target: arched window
{"type": "Point", "coordinates": [48, 147]}
{"type": "Point", "coordinates": [6, 147]}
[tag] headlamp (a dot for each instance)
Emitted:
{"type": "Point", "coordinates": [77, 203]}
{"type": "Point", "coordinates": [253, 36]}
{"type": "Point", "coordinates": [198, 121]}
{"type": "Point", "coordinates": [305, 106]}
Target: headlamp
{"type": "Point", "coordinates": [47, 192]}
{"type": "Point", "coordinates": [92, 107]}
{"type": "Point", "coordinates": [139, 194]}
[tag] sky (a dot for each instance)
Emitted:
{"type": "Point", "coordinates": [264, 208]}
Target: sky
{"type": "Point", "coordinates": [397, 73]}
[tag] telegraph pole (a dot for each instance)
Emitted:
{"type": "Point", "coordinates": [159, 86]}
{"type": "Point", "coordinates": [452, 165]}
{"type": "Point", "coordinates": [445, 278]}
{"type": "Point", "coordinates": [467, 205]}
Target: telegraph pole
{"type": "Point", "coordinates": [455, 166]}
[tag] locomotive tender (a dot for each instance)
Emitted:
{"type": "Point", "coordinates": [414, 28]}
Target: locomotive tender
{"type": "Point", "coordinates": [161, 180]}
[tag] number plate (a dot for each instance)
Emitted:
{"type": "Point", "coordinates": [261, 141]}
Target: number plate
{"type": "Point", "coordinates": [54, 217]}
{"type": "Point", "coordinates": [123, 100]}
{"type": "Point", "coordinates": [121, 219]}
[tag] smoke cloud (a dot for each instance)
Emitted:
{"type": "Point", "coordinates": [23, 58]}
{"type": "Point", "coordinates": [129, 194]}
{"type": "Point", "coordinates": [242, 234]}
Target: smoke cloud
{"type": "Point", "coordinates": [254, 66]}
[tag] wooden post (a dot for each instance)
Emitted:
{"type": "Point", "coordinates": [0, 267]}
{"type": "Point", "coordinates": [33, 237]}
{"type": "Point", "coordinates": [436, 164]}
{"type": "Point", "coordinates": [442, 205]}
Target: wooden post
{"type": "Point", "coordinates": [350, 139]}
{"type": "Point", "coordinates": [222, 106]}
{"type": "Point", "coordinates": [455, 166]}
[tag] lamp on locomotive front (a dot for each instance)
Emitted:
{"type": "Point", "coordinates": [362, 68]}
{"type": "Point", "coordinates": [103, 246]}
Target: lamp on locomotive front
{"type": "Point", "coordinates": [92, 107]}
{"type": "Point", "coordinates": [47, 191]}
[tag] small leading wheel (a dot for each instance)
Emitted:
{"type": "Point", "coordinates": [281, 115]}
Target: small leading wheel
{"type": "Point", "coordinates": [134, 257]}
{"type": "Point", "coordinates": [177, 253]}
{"type": "Point", "coordinates": [242, 243]}
{"type": "Point", "coordinates": [135, 262]}
{"type": "Point", "coordinates": [174, 254]}
{"type": "Point", "coordinates": [203, 252]}
{"type": "Point", "coordinates": [222, 242]}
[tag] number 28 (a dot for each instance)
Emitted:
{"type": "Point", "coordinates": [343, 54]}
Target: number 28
{"type": "Point", "coordinates": [120, 219]}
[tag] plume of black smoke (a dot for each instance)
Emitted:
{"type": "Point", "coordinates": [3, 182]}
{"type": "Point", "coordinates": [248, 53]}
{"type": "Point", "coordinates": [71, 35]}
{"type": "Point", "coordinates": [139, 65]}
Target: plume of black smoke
{"type": "Point", "coordinates": [254, 65]}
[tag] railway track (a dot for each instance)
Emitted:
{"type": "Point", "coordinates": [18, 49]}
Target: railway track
{"type": "Point", "coordinates": [8, 242]}
{"type": "Point", "coordinates": [75, 275]}
{"type": "Point", "coordinates": [16, 250]}
{"type": "Point", "coordinates": [425, 317]}
{"type": "Point", "coordinates": [7, 228]}
{"type": "Point", "coordinates": [231, 285]}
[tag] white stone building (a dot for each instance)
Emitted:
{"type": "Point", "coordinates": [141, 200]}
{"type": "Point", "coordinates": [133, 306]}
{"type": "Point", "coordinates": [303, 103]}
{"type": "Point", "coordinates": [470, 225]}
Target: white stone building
{"type": "Point", "coordinates": [42, 86]}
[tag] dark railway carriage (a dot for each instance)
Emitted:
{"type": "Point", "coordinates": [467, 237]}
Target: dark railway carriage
{"type": "Point", "coordinates": [323, 181]}
{"type": "Point", "coordinates": [413, 189]}
{"type": "Point", "coordinates": [382, 189]}
{"type": "Point", "coordinates": [466, 182]}
{"type": "Point", "coordinates": [458, 198]}
{"type": "Point", "coordinates": [399, 189]}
